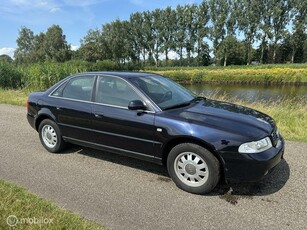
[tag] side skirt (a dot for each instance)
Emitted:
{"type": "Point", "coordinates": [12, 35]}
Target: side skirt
{"type": "Point", "coordinates": [119, 151]}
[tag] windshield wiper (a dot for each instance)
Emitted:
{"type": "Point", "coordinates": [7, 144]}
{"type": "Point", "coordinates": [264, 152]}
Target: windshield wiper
{"type": "Point", "coordinates": [178, 105]}
{"type": "Point", "coordinates": [196, 99]}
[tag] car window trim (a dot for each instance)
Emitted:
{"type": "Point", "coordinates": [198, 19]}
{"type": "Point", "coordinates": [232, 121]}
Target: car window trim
{"type": "Point", "coordinates": [69, 79]}
{"type": "Point", "coordinates": [92, 101]}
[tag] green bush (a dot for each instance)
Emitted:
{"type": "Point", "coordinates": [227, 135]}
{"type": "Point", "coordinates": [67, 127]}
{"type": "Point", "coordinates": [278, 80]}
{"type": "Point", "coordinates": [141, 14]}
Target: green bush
{"type": "Point", "coordinates": [105, 65]}
{"type": "Point", "coordinates": [10, 77]}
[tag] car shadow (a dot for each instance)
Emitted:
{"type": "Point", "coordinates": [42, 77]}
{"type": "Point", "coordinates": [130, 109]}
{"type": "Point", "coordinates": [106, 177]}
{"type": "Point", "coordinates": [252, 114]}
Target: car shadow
{"type": "Point", "coordinates": [122, 160]}
{"type": "Point", "coordinates": [271, 183]}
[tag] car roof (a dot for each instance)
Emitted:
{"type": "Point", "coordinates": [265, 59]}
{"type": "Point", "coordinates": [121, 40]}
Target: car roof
{"type": "Point", "coordinates": [120, 74]}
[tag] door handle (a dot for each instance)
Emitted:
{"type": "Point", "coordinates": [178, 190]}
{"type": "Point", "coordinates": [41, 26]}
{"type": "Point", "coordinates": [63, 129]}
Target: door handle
{"type": "Point", "coordinates": [98, 115]}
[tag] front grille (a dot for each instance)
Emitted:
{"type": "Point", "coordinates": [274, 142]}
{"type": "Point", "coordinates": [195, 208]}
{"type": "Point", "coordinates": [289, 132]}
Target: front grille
{"type": "Point", "coordinates": [275, 137]}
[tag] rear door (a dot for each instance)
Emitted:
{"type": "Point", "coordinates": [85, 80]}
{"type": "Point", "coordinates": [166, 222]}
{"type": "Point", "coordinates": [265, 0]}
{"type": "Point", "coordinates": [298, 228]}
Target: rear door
{"type": "Point", "coordinates": [74, 109]}
{"type": "Point", "coordinates": [115, 125]}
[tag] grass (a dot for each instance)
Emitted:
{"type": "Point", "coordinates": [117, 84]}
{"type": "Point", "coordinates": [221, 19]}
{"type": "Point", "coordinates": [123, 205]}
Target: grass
{"type": "Point", "coordinates": [28, 208]}
{"type": "Point", "coordinates": [13, 97]}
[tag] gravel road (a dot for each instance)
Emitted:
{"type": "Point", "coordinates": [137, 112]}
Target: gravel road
{"type": "Point", "coordinates": [123, 193]}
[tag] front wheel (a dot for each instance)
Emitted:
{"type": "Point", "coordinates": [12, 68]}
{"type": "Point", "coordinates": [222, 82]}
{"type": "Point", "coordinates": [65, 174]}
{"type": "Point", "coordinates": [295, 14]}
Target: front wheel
{"type": "Point", "coordinates": [193, 168]}
{"type": "Point", "coordinates": [50, 136]}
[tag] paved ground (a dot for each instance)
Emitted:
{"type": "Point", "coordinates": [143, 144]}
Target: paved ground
{"type": "Point", "coordinates": [123, 193]}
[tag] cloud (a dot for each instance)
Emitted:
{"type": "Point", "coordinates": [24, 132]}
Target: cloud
{"type": "Point", "coordinates": [82, 3]}
{"type": "Point", "coordinates": [7, 51]}
{"type": "Point", "coordinates": [137, 2]}
{"type": "Point", "coordinates": [28, 5]}
{"type": "Point", "coordinates": [73, 47]}
{"type": "Point", "coordinates": [47, 12]}
{"type": "Point", "coordinates": [54, 10]}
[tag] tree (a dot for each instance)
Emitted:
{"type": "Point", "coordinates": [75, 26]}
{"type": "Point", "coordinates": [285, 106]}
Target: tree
{"type": "Point", "coordinates": [230, 27]}
{"type": "Point", "coordinates": [203, 57]}
{"type": "Point", "coordinates": [249, 21]}
{"type": "Point", "coordinates": [39, 54]}
{"type": "Point", "coordinates": [168, 31]}
{"type": "Point", "coordinates": [219, 12]}
{"type": "Point", "coordinates": [135, 32]}
{"type": "Point", "coordinates": [235, 51]}
{"type": "Point", "coordinates": [264, 26]}
{"type": "Point", "coordinates": [305, 51]}
{"type": "Point", "coordinates": [180, 28]}
{"type": "Point", "coordinates": [157, 28]}
{"type": "Point", "coordinates": [299, 35]}
{"type": "Point", "coordinates": [119, 42]}
{"type": "Point", "coordinates": [148, 37]}
{"type": "Point", "coordinates": [55, 45]}
{"type": "Point", "coordinates": [91, 47]}
{"type": "Point", "coordinates": [6, 58]}
{"type": "Point", "coordinates": [191, 26]}
{"type": "Point", "coordinates": [296, 43]}
{"type": "Point", "coordinates": [202, 31]}
{"type": "Point", "coordinates": [280, 18]}
{"type": "Point", "coordinates": [24, 45]}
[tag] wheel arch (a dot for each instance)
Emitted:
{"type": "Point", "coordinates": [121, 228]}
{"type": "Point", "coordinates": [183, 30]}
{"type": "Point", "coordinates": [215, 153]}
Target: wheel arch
{"type": "Point", "coordinates": [172, 143]}
{"type": "Point", "coordinates": [42, 117]}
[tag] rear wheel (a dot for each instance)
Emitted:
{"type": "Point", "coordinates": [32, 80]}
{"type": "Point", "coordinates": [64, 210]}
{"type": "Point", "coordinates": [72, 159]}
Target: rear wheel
{"type": "Point", "coordinates": [50, 136]}
{"type": "Point", "coordinates": [193, 168]}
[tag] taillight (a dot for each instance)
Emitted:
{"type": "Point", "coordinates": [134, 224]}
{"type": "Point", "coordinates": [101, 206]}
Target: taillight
{"type": "Point", "coordinates": [27, 104]}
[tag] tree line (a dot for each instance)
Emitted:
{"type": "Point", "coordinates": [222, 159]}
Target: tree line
{"type": "Point", "coordinates": [223, 32]}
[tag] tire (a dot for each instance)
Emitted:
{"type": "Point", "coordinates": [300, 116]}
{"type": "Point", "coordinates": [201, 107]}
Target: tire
{"type": "Point", "coordinates": [193, 168]}
{"type": "Point", "coordinates": [50, 136]}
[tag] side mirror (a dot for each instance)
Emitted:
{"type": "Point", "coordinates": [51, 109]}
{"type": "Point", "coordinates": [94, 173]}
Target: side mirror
{"type": "Point", "coordinates": [136, 105]}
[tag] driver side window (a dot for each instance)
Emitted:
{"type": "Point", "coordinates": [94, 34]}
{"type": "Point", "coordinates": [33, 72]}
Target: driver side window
{"type": "Point", "coordinates": [115, 91]}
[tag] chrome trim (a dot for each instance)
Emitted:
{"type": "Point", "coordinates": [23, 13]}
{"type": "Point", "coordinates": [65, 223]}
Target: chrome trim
{"type": "Point", "coordinates": [111, 134]}
{"type": "Point", "coordinates": [96, 103]}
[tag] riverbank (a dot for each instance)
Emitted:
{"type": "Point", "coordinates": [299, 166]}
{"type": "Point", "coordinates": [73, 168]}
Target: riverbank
{"type": "Point", "coordinates": [290, 114]}
{"type": "Point", "coordinates": [252, 75]}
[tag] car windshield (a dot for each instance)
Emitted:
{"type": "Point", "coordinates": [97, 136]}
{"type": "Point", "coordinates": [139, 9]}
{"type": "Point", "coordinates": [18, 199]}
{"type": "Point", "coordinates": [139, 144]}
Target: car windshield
{"type": "Point", "coordinates": [164, 92]}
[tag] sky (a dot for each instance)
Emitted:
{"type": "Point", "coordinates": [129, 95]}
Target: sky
{"type": "Point", "coordinates": [75, 17]}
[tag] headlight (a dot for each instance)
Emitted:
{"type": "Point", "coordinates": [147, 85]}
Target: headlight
{"type": "Point", "coordinates": [256, 146]}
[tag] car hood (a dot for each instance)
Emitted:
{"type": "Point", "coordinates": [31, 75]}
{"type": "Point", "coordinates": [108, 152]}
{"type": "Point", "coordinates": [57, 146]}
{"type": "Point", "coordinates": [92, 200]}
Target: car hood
{"type": "Point", "coordinates": [229, 117]}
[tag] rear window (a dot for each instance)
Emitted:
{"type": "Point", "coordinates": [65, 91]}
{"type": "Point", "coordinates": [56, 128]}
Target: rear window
{"type": "Point", "coordinates": [79, 88]}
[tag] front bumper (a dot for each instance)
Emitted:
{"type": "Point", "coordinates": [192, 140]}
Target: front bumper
{"type": "Point", "coordinates": [251, 167]}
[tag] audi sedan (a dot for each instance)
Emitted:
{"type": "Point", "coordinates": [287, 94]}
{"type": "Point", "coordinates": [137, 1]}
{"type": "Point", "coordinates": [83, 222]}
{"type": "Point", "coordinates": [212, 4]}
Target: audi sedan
{"type": "Point", "coordinates": [150, 117]}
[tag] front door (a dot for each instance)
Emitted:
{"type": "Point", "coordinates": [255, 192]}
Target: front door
{"type": "Point", "coordinates": [115, 125]}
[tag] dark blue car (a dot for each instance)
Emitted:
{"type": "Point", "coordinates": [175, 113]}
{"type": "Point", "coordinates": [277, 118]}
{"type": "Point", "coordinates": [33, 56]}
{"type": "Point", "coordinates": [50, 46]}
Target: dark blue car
{"type": "Point", "coordinates": [150, 117]}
